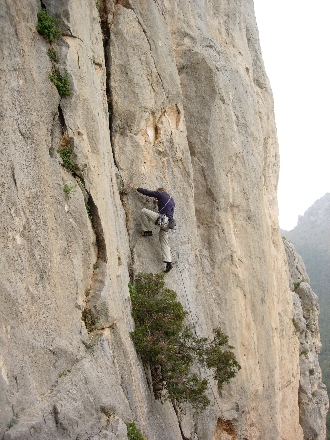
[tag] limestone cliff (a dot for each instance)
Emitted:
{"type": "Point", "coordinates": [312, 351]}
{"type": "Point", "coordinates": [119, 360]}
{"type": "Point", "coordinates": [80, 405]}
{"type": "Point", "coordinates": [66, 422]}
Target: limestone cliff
{"type": "Point", "coordinates": [163, 93]}
{"type": "Point", "coordinates": [313, 398]}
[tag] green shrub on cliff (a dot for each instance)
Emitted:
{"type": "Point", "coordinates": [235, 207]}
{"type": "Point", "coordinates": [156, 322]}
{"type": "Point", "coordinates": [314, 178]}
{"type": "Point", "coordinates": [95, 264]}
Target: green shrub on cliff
{"type": "Point", "coordinates": [65, 154]}
{"type": "Point", "coordinates": [169, 346]}
{"type": "Point", "coordinates": [61, 82]}
{"type": "Point", "coordinates": [47, 26]}
{"type": "Point", "coordinates": [51, 52]}
{"type": "Point", "coordinates": [133, 433]}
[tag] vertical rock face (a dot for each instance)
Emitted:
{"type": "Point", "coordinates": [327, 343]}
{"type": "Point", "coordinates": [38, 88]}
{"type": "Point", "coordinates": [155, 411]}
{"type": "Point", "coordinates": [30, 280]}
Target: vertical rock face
{"type": "Point", "coordinates": [163, 93]}
{"type": "Point", "coordinates": [313, 398]}
{"type": "Point", "coordinates": [311, 239]}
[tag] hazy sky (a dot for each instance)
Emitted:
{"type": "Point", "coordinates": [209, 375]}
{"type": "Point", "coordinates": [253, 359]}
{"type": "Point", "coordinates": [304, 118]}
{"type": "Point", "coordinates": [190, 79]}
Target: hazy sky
{"type": "Point", "coordinates": [295, 40]}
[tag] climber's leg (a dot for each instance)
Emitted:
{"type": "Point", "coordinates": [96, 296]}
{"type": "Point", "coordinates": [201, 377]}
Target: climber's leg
{"type": "Point", "coordinates": [147, 216]}
{"type": "Point", "coordinates": [165, 247]}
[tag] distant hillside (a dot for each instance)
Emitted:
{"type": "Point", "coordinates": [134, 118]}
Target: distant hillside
{"type": "Point", "coordinates": [311, 238]}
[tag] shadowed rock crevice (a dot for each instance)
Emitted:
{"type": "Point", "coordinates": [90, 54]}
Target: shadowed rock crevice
{"type": "Point", "coordinates": [98, 229]}
{"type": "Point", "coordinates": [61, 119]}
{"type": "Point", "coordinates": [64, 144]}
{"type": "Point", "coordinates": [96, 313]}
{"type": "Point", "coordinates": [179, 417]}
{"type": "Point", "coordinates": [106, 11]}
{"type": "Point", "coordinates": [13, 175]}
{"type": "Point", "coordinates": [105, 15]}
{"type": "Point", "coordinates": [66, 150]}
{"type": "Point", "coordinates": [59, 425]}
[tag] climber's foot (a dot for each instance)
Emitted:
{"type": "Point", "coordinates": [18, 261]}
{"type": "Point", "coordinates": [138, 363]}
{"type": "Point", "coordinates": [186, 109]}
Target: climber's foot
{"type": "Point", "coordinates": [168, 266]}
{"type": "Point", "coordinates": [146, 233]}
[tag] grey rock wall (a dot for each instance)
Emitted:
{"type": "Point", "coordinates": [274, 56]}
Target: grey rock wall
{"type": "Point", "coordinates": [313, 398]}
{"type": "Point", "coordinates": [167, 94]}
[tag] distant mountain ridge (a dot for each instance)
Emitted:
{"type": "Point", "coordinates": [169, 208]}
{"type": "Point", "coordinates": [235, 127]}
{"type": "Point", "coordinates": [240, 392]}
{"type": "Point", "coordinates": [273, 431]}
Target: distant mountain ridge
{"type": "Point", "coordinates": [311, 238]}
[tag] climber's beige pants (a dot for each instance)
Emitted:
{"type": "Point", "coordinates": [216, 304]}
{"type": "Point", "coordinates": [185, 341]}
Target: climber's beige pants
{"type": "Point", "coordinates": [148, 216]}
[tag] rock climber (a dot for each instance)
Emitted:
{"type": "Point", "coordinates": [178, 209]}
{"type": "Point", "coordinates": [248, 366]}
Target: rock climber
{"type": "Point", "coordinates": [161, 218]}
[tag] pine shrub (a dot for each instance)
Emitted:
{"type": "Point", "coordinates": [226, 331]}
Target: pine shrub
{"type": "Point", "coordinates": [170, 348]}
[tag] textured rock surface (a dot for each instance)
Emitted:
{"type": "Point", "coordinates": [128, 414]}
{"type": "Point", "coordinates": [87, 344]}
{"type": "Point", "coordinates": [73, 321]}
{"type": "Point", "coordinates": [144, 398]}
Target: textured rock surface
{"type": "Point", "coordinates": [313, 398]}
{"type": "Point", "coordinates": [311, 239]}
{"type": "Point", "coordinates": [169, 93]}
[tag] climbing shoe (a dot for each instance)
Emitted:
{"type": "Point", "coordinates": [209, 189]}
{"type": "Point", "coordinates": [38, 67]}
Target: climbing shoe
{"type": "Point", "coordinates": [168, 266]}
{"type": "Point", "coordinates": [146, 233]}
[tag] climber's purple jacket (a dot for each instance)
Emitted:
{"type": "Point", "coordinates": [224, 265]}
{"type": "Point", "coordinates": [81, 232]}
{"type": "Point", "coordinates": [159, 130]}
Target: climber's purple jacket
{"type": "Point", "coordinates": [165, 201]}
